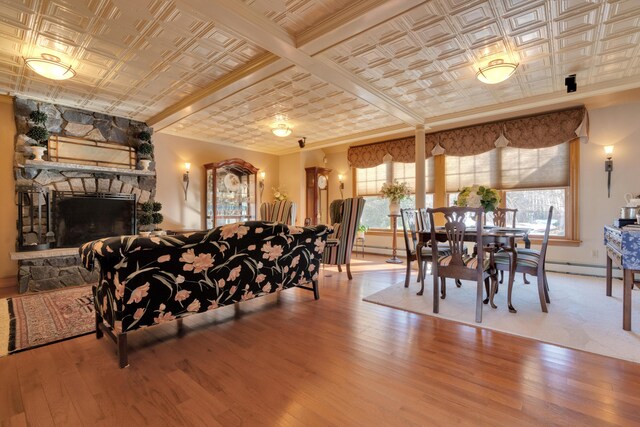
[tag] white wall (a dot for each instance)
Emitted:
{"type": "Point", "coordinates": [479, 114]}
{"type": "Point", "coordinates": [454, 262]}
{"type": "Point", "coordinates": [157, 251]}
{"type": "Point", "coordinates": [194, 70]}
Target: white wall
{"type": "Point", "coordinates": [618, 125]}
{"type": "Point", "coordinates": [171, 152]}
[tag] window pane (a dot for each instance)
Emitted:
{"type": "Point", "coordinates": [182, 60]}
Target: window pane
{"type": "Point", "coordinates": [429, 174]}
{"type": "Point", "coordinates": [464, 171]}
{"type": "Point", "coordinates": [535, 168]}
{"type": "Point", "coordinates": [370, 180]}
{"type": "Point", "coordinates": [375, 212]}
{"type": "Point", "coordinates": [533, 208]}
{"type": "Point", "coordinates": [405, 172]}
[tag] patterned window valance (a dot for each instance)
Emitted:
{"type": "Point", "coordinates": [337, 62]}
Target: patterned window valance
{"type": "Point", "coordinates": [370, 155]}
{"type": "Point", "coordinates": [539, 131]}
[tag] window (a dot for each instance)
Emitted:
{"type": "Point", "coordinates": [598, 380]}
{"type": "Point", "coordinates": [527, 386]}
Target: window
{"type": "Point", "coordinates": [369, 181]}
{"type": "Point", "coordinates": [531, 180]}
{"type": "Point", "coordinates": [533, 209]}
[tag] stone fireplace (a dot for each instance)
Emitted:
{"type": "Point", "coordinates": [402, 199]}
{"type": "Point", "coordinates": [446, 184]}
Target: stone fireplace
{"type": "Point", "coordinates": [113, 194]}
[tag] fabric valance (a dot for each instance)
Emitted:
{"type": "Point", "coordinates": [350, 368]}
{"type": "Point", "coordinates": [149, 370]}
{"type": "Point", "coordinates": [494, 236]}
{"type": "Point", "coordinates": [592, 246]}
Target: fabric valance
{"type": "Point", "coordinates": [533, 132]}
{"type": "Point", "coordinates": [370, 155]}
{"type": "Point", "coordinates": [539, 131]}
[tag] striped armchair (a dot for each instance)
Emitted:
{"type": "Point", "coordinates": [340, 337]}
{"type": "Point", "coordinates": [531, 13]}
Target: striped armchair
{"type": "Point", "coordinates": [283, 211]}
{"type": "Point", "coordinates": [340, 253]}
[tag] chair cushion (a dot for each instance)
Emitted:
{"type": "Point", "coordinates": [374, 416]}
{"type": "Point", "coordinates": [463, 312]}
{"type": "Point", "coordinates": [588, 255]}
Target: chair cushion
{"type": "Point", "coordinates": [524, 259]}
{"type": "Point", "coordinates": [469, 261]}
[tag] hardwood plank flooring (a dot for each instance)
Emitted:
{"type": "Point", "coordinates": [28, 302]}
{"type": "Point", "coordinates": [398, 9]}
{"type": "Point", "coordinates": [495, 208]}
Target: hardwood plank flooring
{"type": "Point", "coordinates": [288, 360]}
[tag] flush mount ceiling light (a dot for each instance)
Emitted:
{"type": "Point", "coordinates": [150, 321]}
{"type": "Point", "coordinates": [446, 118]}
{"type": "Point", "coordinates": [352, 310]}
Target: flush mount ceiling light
{"type": "Point", "coordinates": [496, 71]}
{"type": "Point", "coordinates": [49, 66]}
{"type": "Point", "coordinates": [281, 130]}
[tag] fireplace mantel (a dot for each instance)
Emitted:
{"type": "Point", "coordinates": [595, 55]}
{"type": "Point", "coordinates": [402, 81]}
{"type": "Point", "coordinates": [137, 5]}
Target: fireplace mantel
{"type": "Point", "coordinates": [74, 167]}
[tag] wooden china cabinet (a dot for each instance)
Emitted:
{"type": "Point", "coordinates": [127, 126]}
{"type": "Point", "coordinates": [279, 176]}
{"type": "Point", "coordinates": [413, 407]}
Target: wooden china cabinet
{"type": "Point", "coordinates": [231, 192]}
{"type": "Point", "coordinates": [317, 184]}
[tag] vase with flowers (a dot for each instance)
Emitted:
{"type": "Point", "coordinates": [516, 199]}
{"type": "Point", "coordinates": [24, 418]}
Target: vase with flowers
{"type": "Point", "coordinates": [279, 194]}
{"type": "Point", "coordinates": [395, 192]}
{"type": "Point", "coordinates": [479, 196]}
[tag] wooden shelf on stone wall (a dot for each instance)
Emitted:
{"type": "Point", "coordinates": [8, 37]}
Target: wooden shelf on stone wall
{"type": "Point", "coordinates": [32, 164]}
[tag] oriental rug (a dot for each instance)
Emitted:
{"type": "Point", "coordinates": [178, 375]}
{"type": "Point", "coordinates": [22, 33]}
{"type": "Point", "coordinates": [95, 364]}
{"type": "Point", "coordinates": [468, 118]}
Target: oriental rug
{"type": "Point", "coordinates": [33, 320]}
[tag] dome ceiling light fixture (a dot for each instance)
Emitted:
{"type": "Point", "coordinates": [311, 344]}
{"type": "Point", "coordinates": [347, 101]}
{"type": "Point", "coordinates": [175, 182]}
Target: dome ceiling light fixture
{"type": "Point", "coordinates": [281, 130]}
{"type": "Point", "coordinates": [496, 71]}
{"type": "Point", "coordinates": [281, 127]}
{"type": "Point", "coordinates": [51, 67]}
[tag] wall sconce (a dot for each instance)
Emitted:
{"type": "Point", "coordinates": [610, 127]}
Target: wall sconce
{"type": "Point", "coordinates": [185, 179]}
{"type": "Point", "coordinates": [608, 166]}
{"type": "Point", "coordinates": [340, 179]}
{"type": "Point", "coordinates": [263, 174]}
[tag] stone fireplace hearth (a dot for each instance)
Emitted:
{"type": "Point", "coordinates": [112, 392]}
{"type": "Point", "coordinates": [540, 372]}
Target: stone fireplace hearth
{"type": "Point", "coordinates": [56, 268]}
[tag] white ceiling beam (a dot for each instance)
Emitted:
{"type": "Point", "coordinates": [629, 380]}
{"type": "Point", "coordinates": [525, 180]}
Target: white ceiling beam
{"type": "Point", "coordinates": [246, 23]}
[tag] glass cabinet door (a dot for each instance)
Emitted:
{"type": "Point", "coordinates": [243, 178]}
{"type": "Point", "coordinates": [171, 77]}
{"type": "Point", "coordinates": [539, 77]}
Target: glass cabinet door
{"type": "Point", "coordinates": [231, 192]}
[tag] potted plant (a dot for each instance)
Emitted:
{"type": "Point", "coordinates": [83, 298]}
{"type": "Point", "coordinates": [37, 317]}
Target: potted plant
{"type": "Point", "coordinates": [361, 230]}
{"type": "Point", "coordinates": [479, 196]}
{"type": "Point", "coordinates": [145, 149]}
{"type": "Point", "coordinates": [151, 217]}
{"type": "Point", "coordinates": [395, 192]}
{"type": "Point", "coordinates": [145, 220]}
{"type": "Point", "coordinates": [38, 133]}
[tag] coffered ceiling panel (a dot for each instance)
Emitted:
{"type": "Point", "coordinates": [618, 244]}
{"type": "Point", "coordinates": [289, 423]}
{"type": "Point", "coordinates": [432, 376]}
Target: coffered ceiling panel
{"type": "Point", "coordinates": [426, 58]}
{"type": "Point", "coordinates": [314, 109]}
{"type": "Point", "coordinates": [295, 16]}
{"type": "Point", "coordinates": [208, 73]}
{"type": "Point", "coordinates": [133, 58]}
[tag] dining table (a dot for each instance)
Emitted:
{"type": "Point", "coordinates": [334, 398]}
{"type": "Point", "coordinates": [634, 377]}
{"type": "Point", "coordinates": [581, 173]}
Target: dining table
{"type": "Point", "coordinates": [496, 238]}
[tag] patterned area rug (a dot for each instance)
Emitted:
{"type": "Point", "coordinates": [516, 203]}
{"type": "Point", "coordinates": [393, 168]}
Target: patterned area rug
{"type": "Point", "coordinates": [43, 318]}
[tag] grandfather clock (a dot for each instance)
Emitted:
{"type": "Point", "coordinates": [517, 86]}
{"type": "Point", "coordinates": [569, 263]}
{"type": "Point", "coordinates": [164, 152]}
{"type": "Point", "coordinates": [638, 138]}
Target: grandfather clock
{"type": "Point", "coordinates": [318, 195]}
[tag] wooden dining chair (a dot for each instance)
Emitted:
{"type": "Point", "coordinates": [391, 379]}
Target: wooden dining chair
{"type": "Point", "coordinates": [532, 262]}
{"type": "Point", "coordinates": [413, 222]}
{"type": "Point", "coordinates": [500, 216]}
{"type": "Point", "coordinates": [460, 265]}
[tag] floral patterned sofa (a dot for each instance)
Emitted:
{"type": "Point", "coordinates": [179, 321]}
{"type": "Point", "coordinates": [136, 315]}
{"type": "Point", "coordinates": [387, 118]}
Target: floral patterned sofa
{"type": "Point", "coordinates": [145, 281]}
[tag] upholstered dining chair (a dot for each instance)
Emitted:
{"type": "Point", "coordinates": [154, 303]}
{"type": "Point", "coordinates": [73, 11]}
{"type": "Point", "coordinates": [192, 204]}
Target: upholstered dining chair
{"type": "Point", "coordinates": [341, 252]}
{"type": "Point", "coordinates": [460, 265]}
{"type": "Point", "coordinates": [499, 216]}
{"type": "Point", "coordinates": [413, 222]}
{"type": "Point", "coordinates": [265, 211]}
{"type": "Point", "coordinates": [280, 211]}
{"type": "Point", "coordinates": [530, 261]}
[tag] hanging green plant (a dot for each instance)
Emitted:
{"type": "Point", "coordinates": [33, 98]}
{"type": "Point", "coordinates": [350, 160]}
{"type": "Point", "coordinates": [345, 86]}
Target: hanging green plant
{"type": "Point", "coordinates": [38, 117]}
{"type": "Point", "coordinates": [39, 134]}
{"type": "Point", "coordinates": [144, 136]}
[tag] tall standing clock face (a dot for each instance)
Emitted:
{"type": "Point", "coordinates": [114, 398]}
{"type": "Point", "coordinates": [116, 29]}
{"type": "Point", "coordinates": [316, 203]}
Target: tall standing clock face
{"type": "Point", "coordinates": [322, 182]}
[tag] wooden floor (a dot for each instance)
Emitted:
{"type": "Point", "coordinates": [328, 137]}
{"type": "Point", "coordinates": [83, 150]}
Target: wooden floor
{"type": "Point", "coordinates": [290, 360]}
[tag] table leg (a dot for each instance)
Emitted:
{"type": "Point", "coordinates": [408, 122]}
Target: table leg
{"type": "Point", "coordinates": [609, 274]}
{"type": "Point", "coordinates": [626, 299]}
{"type": "Point", "coordinates": [527, 242]}
{"type": "Point", "coordinates": [513, 259]}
